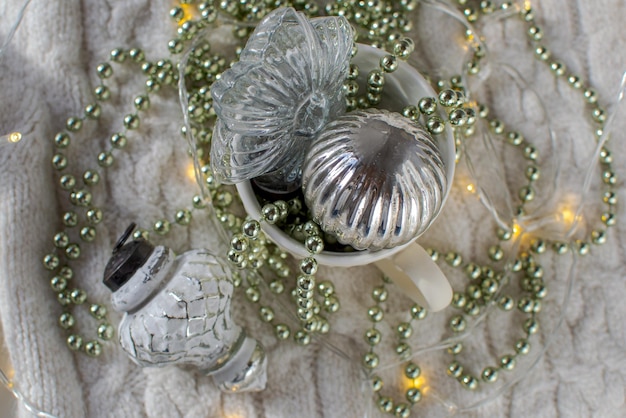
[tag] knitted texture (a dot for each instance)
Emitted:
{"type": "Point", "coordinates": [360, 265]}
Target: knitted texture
{"type": "Point", "coordinates": [48, 72]}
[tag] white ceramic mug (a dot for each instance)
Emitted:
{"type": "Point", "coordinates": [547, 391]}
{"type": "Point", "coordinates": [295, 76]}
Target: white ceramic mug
{"type": "Point", "coordinates": [409, 266]}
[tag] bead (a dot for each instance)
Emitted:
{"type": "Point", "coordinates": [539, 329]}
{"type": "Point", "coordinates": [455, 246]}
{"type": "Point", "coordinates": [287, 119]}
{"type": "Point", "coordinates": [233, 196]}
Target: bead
{"type": "Point", "coordinates": [413, 395]}
{"type": "Point", "coordinates": [474, 292]}
{"type": "Point", "coordinates": [377, 383]}
{"type": "Point", "coordinates": [472, 308]}
{"type": "Point", "coordinates": [473, 271]}
{"type": "Point", "coordinates": [314, 244]}
{"type": "Point", "coordinates": [379, 294]}
{"type": "Point", "coordinates": [97, 311]}
{"type": "Point", "coordinates": [74, 342]}
{"type": "Point", "coordinates": [489, 286]}
{"type": "Point", "coordinates": [78, 296]}
{"type": "Point", "coordinates": [253, 294]}
{"type": "Point", "coordinates": [266, 313]}
{"type": "Point", "coordinates": [58, 284]}
{"type": "Point", "coordinates": [142, 102]}
{"type": "Point", "coordinates": [62, 140]}
{"type": "Point", "coordinates": [372, 336]}
{"type": "Point", "coordinates": [375, 314]}
{"type": "Point", "coordinates": [161, 227]}
{"type": "Point", "coordinates": [506, 303]}
{"type": "Point", "coordinates": [542, 53]}
{"type": "Point", "coordinates": [507, 362]}
{"type": "Point", "coordinates": [402, 410]}
{"type": "Point", "coordinates": [496, 253]}
{"type": "Point", "coordinates": [457, 323]}
{"type": "Point", "coordinates": [455, 349]}
{"type": "Point", "coordinates": [308, 266]}
{"type": "Point", "coordinates": [94, 216]}
{"type": "Point", "coordinates": [590, 96]}
{"type": "Point", "coordinates": [66, 320]}
{"type": "Point", "coordinates": [385, 404]}
{"type": "Point", "coordinates": [66, 272]}
{"type": "Point", "coordinates": [59, 161]}
{"type": "Point", "coordinates": [583, 247]}
{"type": "Point", "coordinates": [412, 370]}
{"type": "Point", "coordinates": [525, 304]}
{"type": "Point", "coordinates": [531, 326]}
{"type": "Point", "coordinates": [72, 251]}
{"type": "Point", "coordinates": [608, 218]}
{"type": "Point", "coordinates": [454, 259]}
{"type": "Point", "coordinates": [70, 219]}
{"type": "Point", "coordinates": [532, 173]}
{"type": "Point", "coordinates": [282, 331]}
{"type": "Point", "coordinates": [102, 93]}
{"type": "Point", "coordinates": [306, 283]}
{"type": "Point", "coordinates": [331, 304]}
{"type": "Point", "coordinates": [136, 54]}
{"type": "Point", "coordinates": [404, 330]}
{"type": "Point", "coordinates": [489, 374]}
{"type": "Point", "coordinates": [88, 234]}
{"type": "Point", "coordinates": [447, 98]}
{"type": "Point", "coordinates": [370, 360]}
{"type": "Point", "coordinates": [64, 298]}
{"type": "Point", "coordinates": [418, 312]}
{"type": "Point", "coordinates": [535, 33]}
{"type": "Point", "coordinates": [403, 350]}
{"type": "Point", "coordinates": [427, 105]}
{"type": "Point", "coordinates": [61, 240]}
{"type": "Point", "coordinates": [93, 111]}
{"type": "Point", "coordinates": [469, 382]}
{"type": "Point", "coordinates": [326, 288]}
{"type": "Point", "coordinates": [105, 332]}
{"type": "Point", "coordinates": [457, 117]}
{"type": "Point", "coordinates": [105, 159]}
{"type": "Point", "coordinates": [239, 243]}
{"type": "Point", "coordinates": [435, 125]}
{"type": "Point", "coordinates": [389, 63]}
{"type": "Point", "coordinates": [598, 237]}
{"type": "Point", "coordinates": [93, 349]}
{"type": "Point", "coordinates": [183, 217]}
{"type": "Point", "coordinates": [459, 300]}
{"type": "Point", "coordinates": [527, 193]}
{"type": "Point", "coordinates": [104, 70]}
{"type": "Point", "coordinates": [131, 121]}
{"type": "Point", "coordinates": [609, 177]}
{"type": "Point", "coordinates": [118, 140]}
{"type": "Point", "coordinates": [376, 78]}
{"type": "Point", "coordinates": [522, 346]}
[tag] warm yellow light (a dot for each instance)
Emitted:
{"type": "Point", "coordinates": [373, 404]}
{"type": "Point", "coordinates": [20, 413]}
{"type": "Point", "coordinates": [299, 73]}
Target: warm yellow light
{"type": "Point", "coordinates": [516, 230]}
{"type": "Point", "coordinates": [15, 137]}
{"type": "Point", "coordinates": [190, 12]}
{"type": "Point", "coordinates": [471, 188]}
{"type": "Point", "coordinates": [417, 383]}
{"type": "Point", "coordinates": [191, 172]}
{"type": "Point", "coordinates": [527, 5]}
{"type": "Point", "coordinates": [567, 216]}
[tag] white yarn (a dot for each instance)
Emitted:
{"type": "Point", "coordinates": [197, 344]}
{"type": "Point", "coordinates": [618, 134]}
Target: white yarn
{"type": "Point", "coordinates": [46, 75]}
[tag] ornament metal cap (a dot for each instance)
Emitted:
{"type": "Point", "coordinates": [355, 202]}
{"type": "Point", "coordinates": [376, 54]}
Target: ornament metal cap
{"type": "Point", "coordinates": [126, 259]}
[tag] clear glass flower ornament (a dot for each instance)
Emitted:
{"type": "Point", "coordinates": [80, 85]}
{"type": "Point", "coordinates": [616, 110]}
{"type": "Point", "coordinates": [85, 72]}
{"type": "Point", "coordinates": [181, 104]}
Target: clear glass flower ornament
{"type": "Point", "coordinates": [285, 88]}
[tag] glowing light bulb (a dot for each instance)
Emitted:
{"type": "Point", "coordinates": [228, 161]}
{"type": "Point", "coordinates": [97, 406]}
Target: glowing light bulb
{"type": "Point", "coordinates": [190, 171]}
{"type": "Point", "coordinates": [12, 138]}
{"type": "Point", "coordinates": [517, 230]}
{"type": "Point", "coordinates": [471, 188]}
{"type": "Point", "coordinates": [190, 12]}
{"type": "Point", "coordinates": [419, 382]}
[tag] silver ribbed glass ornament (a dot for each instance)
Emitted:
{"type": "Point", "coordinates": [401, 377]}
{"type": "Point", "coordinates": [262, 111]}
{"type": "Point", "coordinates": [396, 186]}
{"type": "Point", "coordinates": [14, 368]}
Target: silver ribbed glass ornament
{"type": "Point", "coordinates": [374, 179]}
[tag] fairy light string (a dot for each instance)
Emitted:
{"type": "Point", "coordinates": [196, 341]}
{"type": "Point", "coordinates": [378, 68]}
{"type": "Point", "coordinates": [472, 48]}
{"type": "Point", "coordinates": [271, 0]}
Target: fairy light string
{"type": "Point", "coordinates": [264, 269]}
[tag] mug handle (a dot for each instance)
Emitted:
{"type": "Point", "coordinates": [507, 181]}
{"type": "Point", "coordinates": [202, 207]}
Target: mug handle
{"type": "Point", "coordinates": [415, 272]}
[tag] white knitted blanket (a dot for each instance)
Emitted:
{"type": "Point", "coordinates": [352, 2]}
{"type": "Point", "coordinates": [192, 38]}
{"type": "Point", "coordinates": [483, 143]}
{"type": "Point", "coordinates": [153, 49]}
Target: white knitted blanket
{"type": "Point", "coordinates": [47, 75]}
